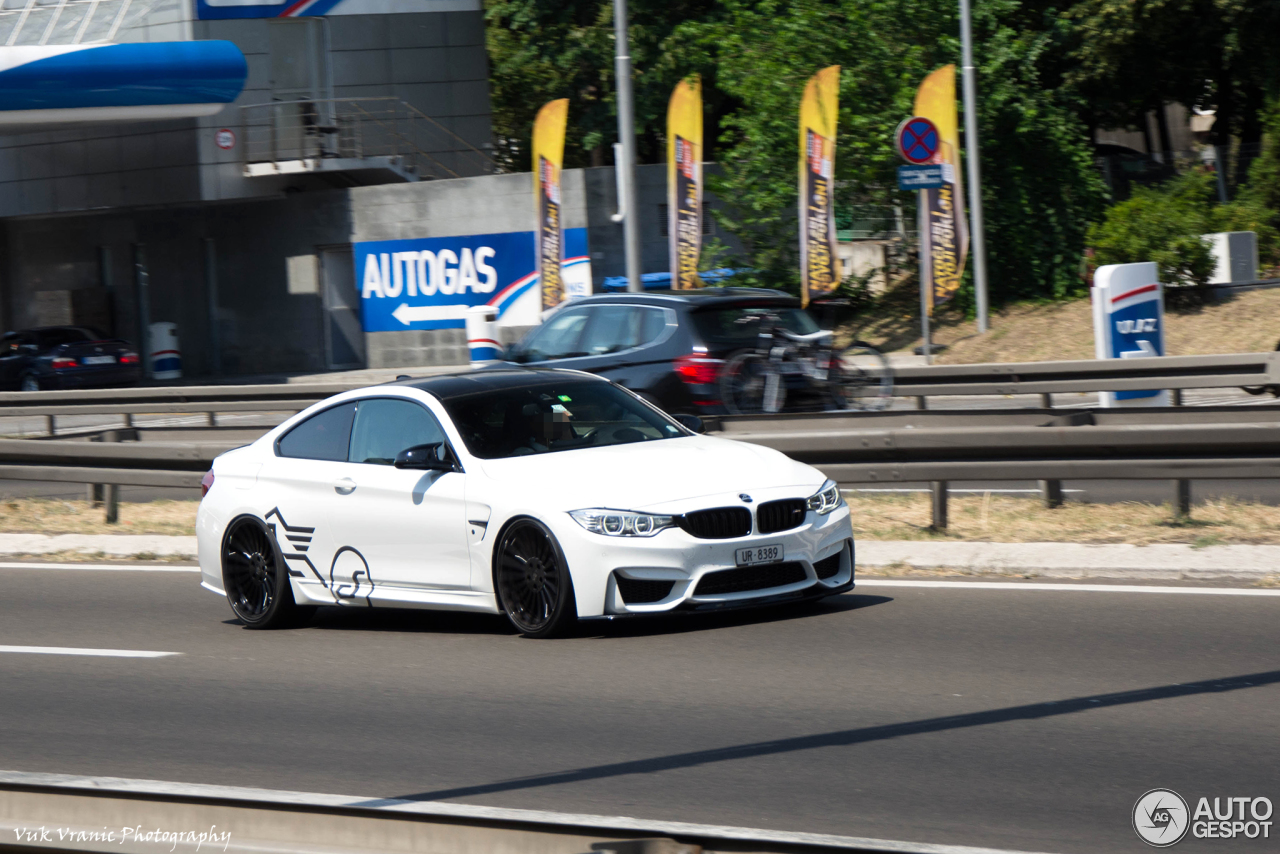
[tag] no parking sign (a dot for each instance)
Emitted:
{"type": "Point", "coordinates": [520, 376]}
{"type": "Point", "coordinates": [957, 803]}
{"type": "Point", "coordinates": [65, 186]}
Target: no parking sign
{"type": "Point", "coordinates": [1128, 323]}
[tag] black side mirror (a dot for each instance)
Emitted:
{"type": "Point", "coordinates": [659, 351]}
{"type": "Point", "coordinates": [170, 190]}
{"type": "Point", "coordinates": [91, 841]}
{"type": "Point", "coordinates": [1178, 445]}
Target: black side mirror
{"type": "Point", "coordinates": [425, 457]}
{"type": "Point", "coordinates": [690, 422]}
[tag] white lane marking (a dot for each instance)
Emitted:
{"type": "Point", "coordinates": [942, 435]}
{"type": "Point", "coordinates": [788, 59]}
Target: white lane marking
{"type": "Point", "coordinates": [103, 567]}
{"type": "Point", "coordinates": [102, 653]}
{"type": "Point", "coordinates": [1067, 588]}
{"type": "Point", "coordinates": [954, 490]}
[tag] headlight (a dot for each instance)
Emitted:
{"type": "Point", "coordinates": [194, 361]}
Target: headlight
{"type": "Point", "coordinates": [826, 499]}
{"type": "Point", "coordinates": [621, 523]}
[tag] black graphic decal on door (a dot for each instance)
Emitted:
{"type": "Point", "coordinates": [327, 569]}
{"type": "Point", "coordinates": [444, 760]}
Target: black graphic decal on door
{"type": "Point", "coordinates": [294, 547]}
{"type": "Point", "coordinates": [350, 575]}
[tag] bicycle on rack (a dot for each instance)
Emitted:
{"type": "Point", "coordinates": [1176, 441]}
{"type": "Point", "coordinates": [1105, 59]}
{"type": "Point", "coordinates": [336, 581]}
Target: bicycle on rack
{"type": "Point", "coordinates": [785, 365]}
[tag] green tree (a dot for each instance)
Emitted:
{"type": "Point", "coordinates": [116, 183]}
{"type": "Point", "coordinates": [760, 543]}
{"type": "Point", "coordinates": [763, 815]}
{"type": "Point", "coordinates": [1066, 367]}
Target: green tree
{"type": "Point", "coordinates": [1161, 224]}
{"type": "Point", "coordinates": [1040, 186]}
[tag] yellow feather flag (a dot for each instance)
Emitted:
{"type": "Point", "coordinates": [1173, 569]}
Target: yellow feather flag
{"type": "Point", "coordinates": [944, 239]}
{"type": "Point", "coordinates": [819, 265]}
{"type": "Point", "coordinates": [548, 160]}
{"type": "Point", "coordinates": [684, 181]}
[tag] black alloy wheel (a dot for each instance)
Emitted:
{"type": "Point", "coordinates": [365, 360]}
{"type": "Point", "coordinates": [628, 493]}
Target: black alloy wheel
{"type": "Point", "coordinates": [255, 579]}
{"type": "Point", "coordinates": [533, 581]}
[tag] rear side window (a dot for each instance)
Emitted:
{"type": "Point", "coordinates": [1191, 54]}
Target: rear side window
{"type": "Point", "coordinates": [386, 426]}
{"type": "Point", "coordinates": [741, 324]}
{"type": "Point", "coordinates": [324, 436]}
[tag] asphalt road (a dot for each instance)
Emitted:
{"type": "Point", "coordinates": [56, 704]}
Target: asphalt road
{"type": "Point", "coordinates": [1017, 719]}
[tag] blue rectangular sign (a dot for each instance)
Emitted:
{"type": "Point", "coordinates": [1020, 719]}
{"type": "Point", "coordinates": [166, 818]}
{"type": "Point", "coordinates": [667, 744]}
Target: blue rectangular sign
{"type": "Point", "coordinates": [928, 177]}
{"type": "Point", "coordinates": [430, 282]}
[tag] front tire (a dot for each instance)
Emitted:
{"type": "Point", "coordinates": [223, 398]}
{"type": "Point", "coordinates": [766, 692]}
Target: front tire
{"type": "Point", "coordinates": [532, 580]}
{"type": "Point", "coordinates": [255, 578]}
{"type": "Point", "coordinates": [30, 383]}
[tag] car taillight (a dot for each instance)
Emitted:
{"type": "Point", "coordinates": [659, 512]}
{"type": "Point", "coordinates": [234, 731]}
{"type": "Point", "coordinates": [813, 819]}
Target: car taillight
{"type": "Point", "coordinates": [128, 358]}
{"type": "Point", "coordinates": [206, 483]}
{"type": "Point", "coordinates": [63, 362]}
{"type": "Point", "coordinates": [696, 368]}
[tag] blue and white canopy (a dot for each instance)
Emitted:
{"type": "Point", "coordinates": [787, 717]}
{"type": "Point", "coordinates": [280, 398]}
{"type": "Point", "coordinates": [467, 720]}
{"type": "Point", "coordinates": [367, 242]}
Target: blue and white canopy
{"type": "Point", "coordinates": [52, 84]}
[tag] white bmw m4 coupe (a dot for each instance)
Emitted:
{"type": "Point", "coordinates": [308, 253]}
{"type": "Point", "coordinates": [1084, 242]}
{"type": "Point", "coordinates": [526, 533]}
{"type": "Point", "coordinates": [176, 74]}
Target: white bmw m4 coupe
{"type": "Point", "coordinates": [547, 495]}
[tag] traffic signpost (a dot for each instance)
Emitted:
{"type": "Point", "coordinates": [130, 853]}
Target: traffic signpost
{"type": "Point", "coordinates": [918, 142]}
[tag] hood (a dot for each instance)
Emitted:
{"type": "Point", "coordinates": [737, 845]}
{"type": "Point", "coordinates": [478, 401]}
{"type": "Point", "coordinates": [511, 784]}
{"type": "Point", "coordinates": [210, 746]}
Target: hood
{"type": "Point", "coordinates": [640, 475]}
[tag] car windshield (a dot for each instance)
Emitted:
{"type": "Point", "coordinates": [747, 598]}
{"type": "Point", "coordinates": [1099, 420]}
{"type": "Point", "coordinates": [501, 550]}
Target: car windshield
{"type": "Point", "coordinates": [740, 324]}
{"type": "Point", "coordinates": [555, 416]}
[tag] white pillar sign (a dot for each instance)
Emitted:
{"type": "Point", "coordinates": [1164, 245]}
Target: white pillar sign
{"type": "Point", "coordinates": [1128, 323]}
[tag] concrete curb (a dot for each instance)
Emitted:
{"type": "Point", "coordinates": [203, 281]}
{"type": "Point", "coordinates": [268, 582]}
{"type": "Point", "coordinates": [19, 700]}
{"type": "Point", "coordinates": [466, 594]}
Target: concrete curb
{"type": "Point", "coordinates": [1073, 560]}
{"type": "Point", "coordinates": [112, 545]}
{"type": "Point", "coordinates": [880, 557]}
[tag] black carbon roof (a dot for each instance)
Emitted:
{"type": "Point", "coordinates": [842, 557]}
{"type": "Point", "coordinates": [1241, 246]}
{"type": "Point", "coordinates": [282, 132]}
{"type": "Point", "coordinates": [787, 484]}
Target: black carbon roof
{"type": "Point", "coordinates": [461, 384]}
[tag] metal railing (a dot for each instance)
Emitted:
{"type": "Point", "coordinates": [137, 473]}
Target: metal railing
{"type": "Point", "coordinates": [382, 129]}
{"type": "Point", "coordinates": [1235, 370]}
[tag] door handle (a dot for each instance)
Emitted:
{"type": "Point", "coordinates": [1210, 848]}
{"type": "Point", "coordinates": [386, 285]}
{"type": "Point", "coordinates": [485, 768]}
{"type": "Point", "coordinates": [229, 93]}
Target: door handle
{"type": "Point", "coordinates": [344, 486]}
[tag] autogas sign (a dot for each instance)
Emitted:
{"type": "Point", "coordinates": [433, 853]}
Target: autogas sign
{"type": "Point", "coordinates": [1128, 321]}
{"type": "Point", "coordinates": [429, 283]}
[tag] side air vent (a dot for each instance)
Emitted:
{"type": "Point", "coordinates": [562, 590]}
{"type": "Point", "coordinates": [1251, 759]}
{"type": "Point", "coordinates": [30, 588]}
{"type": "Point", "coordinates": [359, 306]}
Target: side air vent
{"type": "Point", "coordinates": [638, 591]}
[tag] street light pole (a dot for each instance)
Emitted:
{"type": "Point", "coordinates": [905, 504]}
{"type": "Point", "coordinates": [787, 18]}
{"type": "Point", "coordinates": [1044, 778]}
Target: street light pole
{"type": "Point", "coordinates": [627, 136]}
{"type": "Point", "coordinates": [978, 242]}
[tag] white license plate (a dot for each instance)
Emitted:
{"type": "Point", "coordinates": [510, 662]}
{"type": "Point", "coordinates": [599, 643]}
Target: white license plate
{"type": "Point", "coordinates": [99, 360]}
{"type": "Point", "coordinates": [758, 554]}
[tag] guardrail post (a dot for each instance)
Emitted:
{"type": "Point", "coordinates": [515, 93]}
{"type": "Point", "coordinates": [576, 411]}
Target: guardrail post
{"type": "Point", "coordinates": [112, 497]}
{"type": "Point", "coordinates": [1051, 492]}
{"type": "Point", "coordinates": [921, 402]}
{"type": "Point", "coordinates": [939, 488]}
{"type": "Point", "coordinates": [1046, 401]}
{"type": "Point", "coordinates": [1182, 498]}
{"type": "Point", "coordinates": [211, 418]}
{"type": "Point", "coordinates": [50, 424]}
{"type": "Point", "coordinates": [1175, 397]}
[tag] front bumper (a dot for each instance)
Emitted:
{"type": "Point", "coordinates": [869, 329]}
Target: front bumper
{"type": "Point", "coordinates": [672, 566]}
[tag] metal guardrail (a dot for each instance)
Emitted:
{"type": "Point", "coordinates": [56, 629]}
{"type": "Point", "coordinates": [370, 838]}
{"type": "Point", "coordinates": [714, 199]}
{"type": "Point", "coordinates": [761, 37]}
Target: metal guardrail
{"type": "Point", "coordinates": [1156, 444]}
{"type": "Point", "coordinates": [1233, 370]}
{"type": "Point", "coordinates": [147, 816]}
{"type": "Point", "coordinates": [208, 400]}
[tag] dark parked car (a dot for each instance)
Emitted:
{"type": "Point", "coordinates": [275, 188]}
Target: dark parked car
{"type": "Point", "coordinates": [66, 357]}
{"type": "Point", "coordinates": [667, 346]}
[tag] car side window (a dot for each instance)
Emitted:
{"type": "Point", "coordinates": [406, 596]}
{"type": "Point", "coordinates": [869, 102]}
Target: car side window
{"type": "Point", "coordinates": [558, 337]}
{"type": "Point", "coordinates": [324, 436]}
{"type": "Point", "coordinates": [386, 426]}
{"type": "Point", "coordinates": [9, 345]}
{"type": "Point", "coordinates": [613, 328]}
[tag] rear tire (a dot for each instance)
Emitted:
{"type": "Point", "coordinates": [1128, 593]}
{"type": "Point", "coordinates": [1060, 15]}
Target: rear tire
{"type": "Point", "coordinates": [861, 378]}
{"type": "Point", "coordinates": [532, 580]}
{"type": "Point", "coordinates": [255, 577]}
{"type": "Point", "coordinates": [751, 384]}
{"type": "Point", "coordinates": [30, 382]}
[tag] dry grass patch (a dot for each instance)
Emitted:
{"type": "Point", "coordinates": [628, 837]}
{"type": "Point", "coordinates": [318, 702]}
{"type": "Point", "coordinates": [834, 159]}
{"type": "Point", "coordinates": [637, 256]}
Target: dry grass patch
{"type": "Point", "coordinates": [1037, 332]}
{"type": "Point", "coordinates": [1003, 519]}
{"type": "Point", "coordinates": [55, 516]}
